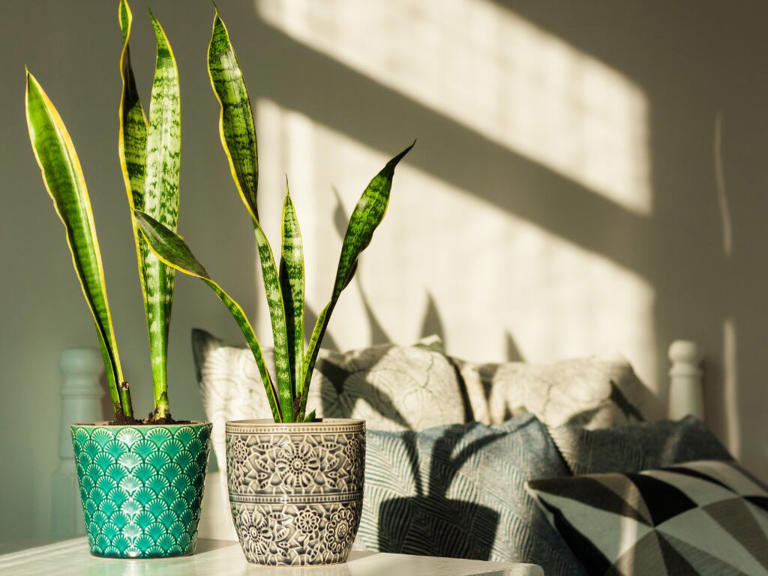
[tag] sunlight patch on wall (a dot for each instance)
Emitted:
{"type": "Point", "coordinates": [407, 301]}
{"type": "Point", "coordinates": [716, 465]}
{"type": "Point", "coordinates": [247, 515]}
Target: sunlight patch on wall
{"type": "Point", "coordinates": [495, 73]}
{"type": "Point", "coordinates": [490, 275]}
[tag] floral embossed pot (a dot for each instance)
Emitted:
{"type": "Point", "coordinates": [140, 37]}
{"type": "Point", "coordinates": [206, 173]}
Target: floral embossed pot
{"type": "Point", "coordinates": [141, 486]}
{"type": "Point", "coordinates": [296, 490]}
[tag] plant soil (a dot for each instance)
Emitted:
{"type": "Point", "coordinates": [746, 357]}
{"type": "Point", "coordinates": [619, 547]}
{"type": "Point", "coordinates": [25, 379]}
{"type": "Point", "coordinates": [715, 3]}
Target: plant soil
{"type": "Point", "coordinates": [151, 419]}
{"type": "Point", "coordinates": [121, 420]}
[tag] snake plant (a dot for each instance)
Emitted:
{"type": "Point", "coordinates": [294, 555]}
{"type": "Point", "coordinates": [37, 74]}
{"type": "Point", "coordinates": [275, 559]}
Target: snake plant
{"type": "Point", "coordinates": [149, 153]}
{"type": "Point", "coordinates": [284, 284]}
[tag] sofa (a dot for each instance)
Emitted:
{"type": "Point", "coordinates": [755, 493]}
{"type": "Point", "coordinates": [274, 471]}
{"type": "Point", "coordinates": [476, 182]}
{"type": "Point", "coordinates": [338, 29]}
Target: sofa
{"type": "Point", "coordinates": [459, 455]}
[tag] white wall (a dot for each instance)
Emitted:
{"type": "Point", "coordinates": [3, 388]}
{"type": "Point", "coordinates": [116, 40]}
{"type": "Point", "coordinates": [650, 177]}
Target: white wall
{"type": "Point", "coordinates": [562, 199]}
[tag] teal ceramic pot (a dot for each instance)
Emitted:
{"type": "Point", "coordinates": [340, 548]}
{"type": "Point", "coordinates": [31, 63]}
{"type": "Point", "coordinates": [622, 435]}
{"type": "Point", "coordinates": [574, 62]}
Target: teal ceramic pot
{"type": "Point", "coordinates": [141, 487]}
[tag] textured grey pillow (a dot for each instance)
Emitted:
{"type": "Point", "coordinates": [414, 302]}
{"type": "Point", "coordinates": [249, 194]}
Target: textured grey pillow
{"type": "Point", "coordinates": [594, 392]}
{"type": "Point", "coordinates": [391, 387]}
{"type": "Point", "coordinates": [460, 491]}
{"type": "Point", "coordinates": [637, 447]}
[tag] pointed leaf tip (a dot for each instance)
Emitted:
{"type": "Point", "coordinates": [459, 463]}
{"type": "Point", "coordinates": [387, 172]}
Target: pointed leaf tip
{"type": "Point", "coordinates": [156, 24]}
{"type": "Point", "coordinates": [396, 160]}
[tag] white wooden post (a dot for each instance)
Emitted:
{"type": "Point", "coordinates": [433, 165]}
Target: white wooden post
{"type": "Point", "coordinates": [685, 386]}
{"type": "Point", "coordinates": [81, 394]}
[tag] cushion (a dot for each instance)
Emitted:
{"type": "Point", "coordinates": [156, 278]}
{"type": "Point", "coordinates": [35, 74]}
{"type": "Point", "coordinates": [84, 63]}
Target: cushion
{"type": "Point", "coordinates": [706, 517]}
{"type": "Point", "coordinates": [391, 387]}
{"type": "Point", "coordinates": [594, 392]}
{"type": "Point", "coordinates": [637, 447]}
{"type": "Point", "coordinates": [460, 491]}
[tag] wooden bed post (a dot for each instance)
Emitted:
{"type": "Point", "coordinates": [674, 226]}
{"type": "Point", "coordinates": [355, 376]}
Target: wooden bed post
{"type": "Point", "coordinates": [81, 393]}
{"type": "Point", "coordinates": [685, 385]}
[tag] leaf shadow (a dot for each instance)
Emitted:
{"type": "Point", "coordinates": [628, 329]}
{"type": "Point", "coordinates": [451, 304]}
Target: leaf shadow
{"type": "Point", "coordinates": [433, 523]}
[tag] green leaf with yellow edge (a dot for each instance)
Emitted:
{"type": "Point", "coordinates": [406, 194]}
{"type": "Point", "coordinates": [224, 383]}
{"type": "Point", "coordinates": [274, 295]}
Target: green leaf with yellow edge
{"type": "Point", "coordinates": [292, 286]}
{"type": "Point", "coordinates": [238, 137]}
{"type": "Point", "coordinates": [366, 217]}
{"type": "Point", "coordinates": [171, 249]}
{"type": "Point", "coordinates": [65, 183]}
{"type": "Point", "coordinates": [161, 202]}
{"type": "Point", "coordinates": [132, 143]}
{"type": "Point", "coordinates": [236, 127]}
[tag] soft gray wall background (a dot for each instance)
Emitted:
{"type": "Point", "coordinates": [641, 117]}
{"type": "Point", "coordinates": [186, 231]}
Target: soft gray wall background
{"type": "Point", "coordinates": [693, 61]}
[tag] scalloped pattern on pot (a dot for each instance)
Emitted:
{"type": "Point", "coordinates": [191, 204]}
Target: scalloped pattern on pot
{"type": "Point", "coordinates": [296, 492]}
{"type": "Point", "coordinates": [141, 487]}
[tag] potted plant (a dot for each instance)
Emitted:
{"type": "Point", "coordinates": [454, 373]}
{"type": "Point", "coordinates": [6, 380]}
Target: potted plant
{"type": "Point", "coordinates": [141, 481]}
{"type": "Point", "coordinates": [295, 483]}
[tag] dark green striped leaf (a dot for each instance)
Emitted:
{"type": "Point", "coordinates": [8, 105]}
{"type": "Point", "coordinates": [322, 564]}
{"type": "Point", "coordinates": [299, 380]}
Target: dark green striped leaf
{"type": "Point", "coordinates": [171, 249]}
{"type": "Point", "coordinates": [132, 143]}
{"type": "Point", "coordinates": [236, 129]}
{"type": "Point", "coordinates": [292, 285]}
{"type": "Point", "coordinates": [64, 181]}
{"type": "Point", "coordinates": [277, 316]}
{"type": "Point", "coordinates": [133, 123]}
{"type": "Point", "coordinates": [238, 138]}
{"type": "Point", "coordinates": [161, 202]}
{"type": "Point", "coordinates": [365, 218]}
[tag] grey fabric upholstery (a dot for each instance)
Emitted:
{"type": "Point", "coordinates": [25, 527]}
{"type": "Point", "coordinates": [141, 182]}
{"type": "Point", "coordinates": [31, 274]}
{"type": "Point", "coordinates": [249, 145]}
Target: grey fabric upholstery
{"type": "Point", "coordinates": [417, 387]}
{"type": "Point", "coordinates": [637, 447]}
{"type": "Point", "coordinates": [460, 491]}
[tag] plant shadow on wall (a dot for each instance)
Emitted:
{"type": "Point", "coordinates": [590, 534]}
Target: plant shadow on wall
{"type": "Point", "coordinates": [432, 322]}
{"type": "Point", "coordinates": [355, 379]}
{"type": "Point", "coordinates": [346, 383]}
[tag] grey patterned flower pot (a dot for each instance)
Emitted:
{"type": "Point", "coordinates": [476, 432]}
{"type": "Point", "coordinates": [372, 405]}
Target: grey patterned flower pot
{"type": "Point", "coordinates": [296, 490]}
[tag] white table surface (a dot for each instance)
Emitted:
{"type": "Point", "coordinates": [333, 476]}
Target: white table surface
{"type": "Point", "coordinates": [214, 557]}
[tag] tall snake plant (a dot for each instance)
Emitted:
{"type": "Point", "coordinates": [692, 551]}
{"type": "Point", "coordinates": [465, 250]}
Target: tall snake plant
{"type": "Point", "coordinates": [150, 154]}
{"type": "Point", "coordinates": [284, 285]}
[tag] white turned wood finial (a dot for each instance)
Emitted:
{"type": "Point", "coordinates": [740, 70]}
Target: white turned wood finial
{"type": "Point", "coordinates": [81, 391]}
{"type": "Point", "coordinates": [685, 386]}
{"type": "Point", "coordinates": [81, 394]}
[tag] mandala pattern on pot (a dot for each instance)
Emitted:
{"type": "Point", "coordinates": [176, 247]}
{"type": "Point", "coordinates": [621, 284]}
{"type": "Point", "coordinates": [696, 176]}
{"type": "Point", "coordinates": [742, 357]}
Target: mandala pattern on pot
{"type": "Point", "coordinates": [296, 490]}
{"type": "Point", "coordinates": [296, 534]}
{"type": "Point", "coordinates": [141, 487]}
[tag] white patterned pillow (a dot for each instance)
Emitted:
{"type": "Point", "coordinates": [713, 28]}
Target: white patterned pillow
{"type": "Point", "coordinates": [707, 518]}
{"type": "Point", "coordinates": [593, 392]}
{"type": "Point", "coordinates": [391, 387]}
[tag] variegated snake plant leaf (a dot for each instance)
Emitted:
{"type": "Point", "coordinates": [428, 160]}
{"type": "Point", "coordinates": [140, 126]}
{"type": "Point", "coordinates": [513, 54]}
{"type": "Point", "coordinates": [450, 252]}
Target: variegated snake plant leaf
{"type": "Point", "coordinates": [238, 137]}
{"type": "Point", "coordinates": [285, 289]}
{"type": "Point", "coordinates": [173, 251]}
{"type": "Point", "coordinates": [150, 155]}
{"type": "Point", "coordinates": [65, 183]}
